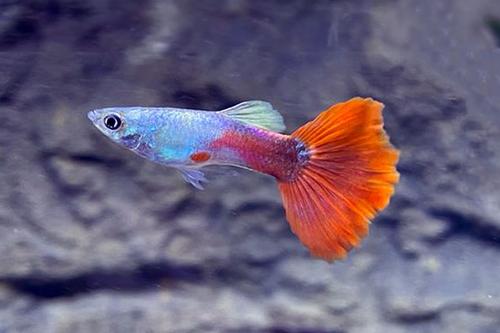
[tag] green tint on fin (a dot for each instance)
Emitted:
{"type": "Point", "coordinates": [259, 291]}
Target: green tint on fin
{"type": "Point", "coordinates": [256, 113]}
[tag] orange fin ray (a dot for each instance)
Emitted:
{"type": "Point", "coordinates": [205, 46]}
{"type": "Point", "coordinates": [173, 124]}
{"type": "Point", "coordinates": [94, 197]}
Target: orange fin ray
{"type": "Point", "coordinates": [349, 177]}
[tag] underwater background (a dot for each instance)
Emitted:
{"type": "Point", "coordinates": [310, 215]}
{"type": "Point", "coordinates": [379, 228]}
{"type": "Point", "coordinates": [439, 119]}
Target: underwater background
{"type": "Point", "coordinates": [95, 239]}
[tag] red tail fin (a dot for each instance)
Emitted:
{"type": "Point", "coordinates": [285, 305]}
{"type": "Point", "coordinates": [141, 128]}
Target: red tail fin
{"type": "Point", "coordinates": [350, 175]}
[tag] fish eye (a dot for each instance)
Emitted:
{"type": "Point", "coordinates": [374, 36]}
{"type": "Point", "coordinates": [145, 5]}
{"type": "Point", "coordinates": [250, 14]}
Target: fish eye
{"type": "Point", "coordinates": [112, 122]}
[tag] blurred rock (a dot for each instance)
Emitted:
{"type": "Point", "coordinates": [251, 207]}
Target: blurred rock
{"type": "Point", "coordinates": [93, 238]}
{"type": "Point", "coordinates": [417, 231]}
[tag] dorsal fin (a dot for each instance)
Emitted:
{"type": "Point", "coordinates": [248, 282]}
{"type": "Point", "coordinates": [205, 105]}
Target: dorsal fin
{"type": "Point", "coordinates": [257, 113]}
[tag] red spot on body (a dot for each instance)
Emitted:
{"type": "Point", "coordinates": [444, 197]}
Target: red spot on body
{"type": "Point", "coordinates": [200, 157]}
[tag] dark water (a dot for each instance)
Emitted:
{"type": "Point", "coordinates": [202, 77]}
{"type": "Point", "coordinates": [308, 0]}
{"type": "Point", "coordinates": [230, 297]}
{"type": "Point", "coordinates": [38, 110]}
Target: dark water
{"type": "Point", "coordinates": [95, 239]}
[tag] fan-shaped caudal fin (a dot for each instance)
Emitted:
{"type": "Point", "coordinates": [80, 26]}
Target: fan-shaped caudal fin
{"type": "Point", "coordinates": [349, 176]}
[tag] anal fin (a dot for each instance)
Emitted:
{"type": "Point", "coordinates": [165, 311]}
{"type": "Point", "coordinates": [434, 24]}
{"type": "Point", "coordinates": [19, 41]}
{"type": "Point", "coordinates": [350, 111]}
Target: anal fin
{"type": "Point", "coordinates": [193, 176]}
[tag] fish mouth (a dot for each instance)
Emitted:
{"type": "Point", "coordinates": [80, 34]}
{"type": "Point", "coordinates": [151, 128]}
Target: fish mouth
{"type": "Point", "coordinates": [92, 115]}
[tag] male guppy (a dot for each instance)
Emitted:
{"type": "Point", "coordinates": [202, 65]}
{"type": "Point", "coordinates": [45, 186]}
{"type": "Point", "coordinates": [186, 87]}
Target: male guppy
{"type": "Point", "coordinates": [334, 173]}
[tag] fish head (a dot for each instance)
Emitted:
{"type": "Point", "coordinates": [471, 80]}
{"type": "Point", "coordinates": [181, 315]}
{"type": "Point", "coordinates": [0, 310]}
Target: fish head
{"type": "Point", "coordinates": [124, 126]}
{"type": "Point", "coordinates": [158, 134]}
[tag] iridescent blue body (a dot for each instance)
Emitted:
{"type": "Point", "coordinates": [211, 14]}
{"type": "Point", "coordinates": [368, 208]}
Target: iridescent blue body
{"type": "Point", "coordinates": [177, 138]}
{"type": "Point", "coordinates": [167, 135]}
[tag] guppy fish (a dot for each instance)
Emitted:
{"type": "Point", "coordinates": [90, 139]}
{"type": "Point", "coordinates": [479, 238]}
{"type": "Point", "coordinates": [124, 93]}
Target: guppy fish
{"type": "Point", "coordinates": [334, 173]}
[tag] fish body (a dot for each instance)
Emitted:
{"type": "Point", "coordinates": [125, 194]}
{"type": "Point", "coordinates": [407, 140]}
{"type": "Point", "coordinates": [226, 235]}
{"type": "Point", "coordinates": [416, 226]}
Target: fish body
{"type": "Point", "coordinates": [190, 139]}
{"type": "Point", "coordinates": [334, 173]}
{"type": "Point", "coordinates": [156, 133]}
